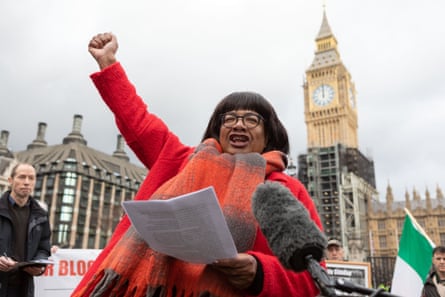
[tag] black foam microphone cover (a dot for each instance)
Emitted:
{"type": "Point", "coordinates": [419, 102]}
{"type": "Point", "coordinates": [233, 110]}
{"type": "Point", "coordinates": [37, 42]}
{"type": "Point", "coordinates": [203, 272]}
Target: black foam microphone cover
{"type": "Point", "coordinates": [285, 222]}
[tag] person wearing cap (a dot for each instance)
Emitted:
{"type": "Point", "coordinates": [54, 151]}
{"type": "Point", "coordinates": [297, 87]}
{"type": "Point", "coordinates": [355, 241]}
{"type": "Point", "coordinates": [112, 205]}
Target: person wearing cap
{"type": "Point", "coordinates": [334, 250]}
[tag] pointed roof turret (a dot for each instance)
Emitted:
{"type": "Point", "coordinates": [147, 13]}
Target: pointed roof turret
{"type": "Point", "coordinates": [325, 29]}
{"type": "Point", "coordinates": [389, 197]}
{"type": "Point", "coordinates": [416, 196]}
{"type": "Point", "coordinates": [439, 194]}
{"type": "Point", "coordinates": [428, 200]}
{"type": "Point", "coordinates": [407, 200]}
{"type": "Point", "coordinates": [326, 53]}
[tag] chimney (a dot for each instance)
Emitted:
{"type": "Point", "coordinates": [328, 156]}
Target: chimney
{"type": "Point", "coordinates": [120, 152]}
{"type": "Point", "coordinates": [4, 135]}
{"type": "Point", "coordinates": [40, 140]}
{"type": "Point", "coordinates": [75, 135]}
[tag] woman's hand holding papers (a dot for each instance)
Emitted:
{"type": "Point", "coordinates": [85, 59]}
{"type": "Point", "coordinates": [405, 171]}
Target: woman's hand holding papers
{"type": "Point", "coordinates": [239, 271]}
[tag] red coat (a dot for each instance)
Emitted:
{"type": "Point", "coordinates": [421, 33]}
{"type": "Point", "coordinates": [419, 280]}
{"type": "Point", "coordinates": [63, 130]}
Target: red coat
{"type": "Point", "coordinates": [164, 155]}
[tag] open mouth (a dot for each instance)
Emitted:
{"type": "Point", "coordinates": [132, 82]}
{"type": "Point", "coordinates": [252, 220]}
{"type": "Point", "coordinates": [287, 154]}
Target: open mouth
{"type": "Point", "coordinates": [239, 140]}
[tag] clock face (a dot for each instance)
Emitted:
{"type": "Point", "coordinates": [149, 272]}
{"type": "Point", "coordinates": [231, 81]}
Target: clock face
{"type": "Point", "coordinates": [323, 95]}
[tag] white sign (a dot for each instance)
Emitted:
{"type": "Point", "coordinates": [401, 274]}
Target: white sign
{"type": "Point", "coordinates": [359, 273]}
{"type": "Point", "coordinates": [62, 277]}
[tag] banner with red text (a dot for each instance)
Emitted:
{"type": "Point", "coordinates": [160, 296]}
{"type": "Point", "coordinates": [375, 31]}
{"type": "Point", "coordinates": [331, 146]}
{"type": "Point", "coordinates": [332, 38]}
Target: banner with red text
{"type": "Point", "coordinates": [60, 278]}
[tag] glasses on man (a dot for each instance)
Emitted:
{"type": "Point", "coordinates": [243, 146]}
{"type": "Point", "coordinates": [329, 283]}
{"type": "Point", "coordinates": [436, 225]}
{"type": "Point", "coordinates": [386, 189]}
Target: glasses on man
{"type": "Point", "coordinates": [250, 120]}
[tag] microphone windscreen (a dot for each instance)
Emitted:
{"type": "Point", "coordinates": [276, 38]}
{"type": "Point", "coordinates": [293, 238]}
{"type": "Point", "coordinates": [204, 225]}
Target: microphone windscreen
{"type": "Point", "coordinates": [285, 222]}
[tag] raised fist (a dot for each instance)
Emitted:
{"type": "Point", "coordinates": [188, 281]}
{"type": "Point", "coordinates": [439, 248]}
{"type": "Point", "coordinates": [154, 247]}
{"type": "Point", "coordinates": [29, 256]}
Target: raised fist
{"type": "Point", "coordinates": [103, 48]}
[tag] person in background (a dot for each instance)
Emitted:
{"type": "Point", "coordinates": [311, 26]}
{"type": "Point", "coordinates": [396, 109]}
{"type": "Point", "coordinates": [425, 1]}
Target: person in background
{"type": "Point", "coordinates": [24, 234]}
{"type": "Point", "coordinates": [244, 145]}
{"type": "Point", "coordinates": [435, 283]}
{"type": "Point", "coordinates": [334, 250]}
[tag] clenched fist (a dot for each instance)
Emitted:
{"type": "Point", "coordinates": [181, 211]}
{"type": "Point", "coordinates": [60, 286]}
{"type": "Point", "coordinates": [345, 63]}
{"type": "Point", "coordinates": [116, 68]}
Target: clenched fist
{"type": "Point", "coordinates": [103, 48]}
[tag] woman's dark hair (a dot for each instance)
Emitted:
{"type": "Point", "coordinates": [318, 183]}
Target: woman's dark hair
{"type": "Point", "coordinates": [275, 133]}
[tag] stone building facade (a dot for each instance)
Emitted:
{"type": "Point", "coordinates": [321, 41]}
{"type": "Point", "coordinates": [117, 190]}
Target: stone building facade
{"type": "Point", "coordinates": [83, 188]}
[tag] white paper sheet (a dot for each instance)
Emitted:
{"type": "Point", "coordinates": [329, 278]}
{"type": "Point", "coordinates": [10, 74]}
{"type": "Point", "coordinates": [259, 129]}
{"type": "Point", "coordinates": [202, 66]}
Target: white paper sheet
{"type": "Point", "coordinates": [190, 227]}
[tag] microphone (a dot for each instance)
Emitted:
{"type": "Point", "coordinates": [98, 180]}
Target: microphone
{"type": "Point", "coordinates": [292, 235]}
{"type": "Point", "coordinates": [295, 239]}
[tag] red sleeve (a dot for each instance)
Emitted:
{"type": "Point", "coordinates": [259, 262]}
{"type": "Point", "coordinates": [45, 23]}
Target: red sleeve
{"type": "Point", "coordinates": [146, 134]}
{"type": "Point", "coordinates": [278, 281]}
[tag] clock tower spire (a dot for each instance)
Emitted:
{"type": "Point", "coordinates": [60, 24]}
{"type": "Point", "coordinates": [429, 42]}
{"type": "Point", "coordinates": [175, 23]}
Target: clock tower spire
{"type": "Point", "coordinates": [329, 95]}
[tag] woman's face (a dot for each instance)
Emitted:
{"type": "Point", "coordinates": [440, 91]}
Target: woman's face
{"type": "Point", "coordinates": [242, 131]}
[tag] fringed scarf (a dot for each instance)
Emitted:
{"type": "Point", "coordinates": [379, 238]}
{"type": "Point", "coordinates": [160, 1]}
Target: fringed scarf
{"type": "Point", "coordinates": [133, 269]}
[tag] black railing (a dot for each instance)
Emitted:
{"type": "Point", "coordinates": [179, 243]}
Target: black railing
{"type": "Point", "coordinates": [382, 269]}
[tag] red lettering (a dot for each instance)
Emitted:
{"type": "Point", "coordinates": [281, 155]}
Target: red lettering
{"type": "Point", "coordinates": [81, 267]}
{"type": "Point", "coordinates": [49, 270]}
{"type": "Point", "coordinates": [74, 268]}
{"type": "Point", "coordinates": [63, 267]}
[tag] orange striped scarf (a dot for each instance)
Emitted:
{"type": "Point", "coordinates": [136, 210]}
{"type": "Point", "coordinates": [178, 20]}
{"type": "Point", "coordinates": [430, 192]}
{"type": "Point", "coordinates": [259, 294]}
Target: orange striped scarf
{"type": "Point", "coordinates": [133, 269]}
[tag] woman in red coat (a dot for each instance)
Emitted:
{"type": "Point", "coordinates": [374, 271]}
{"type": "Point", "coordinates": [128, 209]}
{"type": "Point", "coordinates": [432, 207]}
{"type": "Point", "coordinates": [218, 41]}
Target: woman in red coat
{"type": "Point", "coordinates": [244, 145]}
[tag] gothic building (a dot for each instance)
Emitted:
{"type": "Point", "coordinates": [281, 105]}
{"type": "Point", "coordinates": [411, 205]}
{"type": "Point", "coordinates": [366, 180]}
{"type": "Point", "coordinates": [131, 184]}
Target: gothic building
{"type": "Point", "coordinates": [337, 175]}
{"type": "Point", "coordinates": [386, 219]}
{"type": "Point", "coordinates": [83, 188]}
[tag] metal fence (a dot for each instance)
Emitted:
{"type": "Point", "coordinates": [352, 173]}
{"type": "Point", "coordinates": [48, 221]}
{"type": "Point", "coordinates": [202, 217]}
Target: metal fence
{"type": "Point", "coordinates": [382, 269]}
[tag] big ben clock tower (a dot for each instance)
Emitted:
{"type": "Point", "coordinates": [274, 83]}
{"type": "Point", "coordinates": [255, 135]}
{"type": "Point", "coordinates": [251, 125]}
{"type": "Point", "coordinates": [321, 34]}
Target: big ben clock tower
{"type": "Point", "coordinates": [339, 178]}
{"type": "Point", "coordinates": [329, 96]}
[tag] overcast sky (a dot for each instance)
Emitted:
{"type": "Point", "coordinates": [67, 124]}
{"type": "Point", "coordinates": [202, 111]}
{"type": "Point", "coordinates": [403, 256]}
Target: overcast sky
{"type": "Point", "coordinates": [185, 55]}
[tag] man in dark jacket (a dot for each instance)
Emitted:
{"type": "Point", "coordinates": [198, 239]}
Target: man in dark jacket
{"type": "Point", "coordinates": [435, 283]}
{"type": "Point", "coordinates": [24, 234]}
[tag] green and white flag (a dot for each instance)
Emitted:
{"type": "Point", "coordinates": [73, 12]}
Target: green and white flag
{"type": "Point", "coordinates": [413, 260]}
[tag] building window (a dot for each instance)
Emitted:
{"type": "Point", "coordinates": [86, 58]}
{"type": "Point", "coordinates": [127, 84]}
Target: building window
{"type": "Point", "coordinates": [441, 222]}
{"type": "Point", "coordinates": [62, 234]}
{"type": "Point", "coordinates": [79, 239]}
{"type": "Point", "coordinates": [91, 239]}
{"type": "Point", "coordinates": [39, 182]}
{"type": "Point", "coordinates": [381, 225]}
{"type": "Point", "coordinates": [442, 238]}
{"type": "Point", "coordinates": [382, 241]}
{"type": "Point", "coordinates": [70, 179]}
{"type": "Point", "coordinates": [70, 164]}
{"type": "Point", "coordinates": [66, 213]}
{"type": "Point", "coordinates": [68, 196]}
{"type": "Point", "coordinates": [50, 181]}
